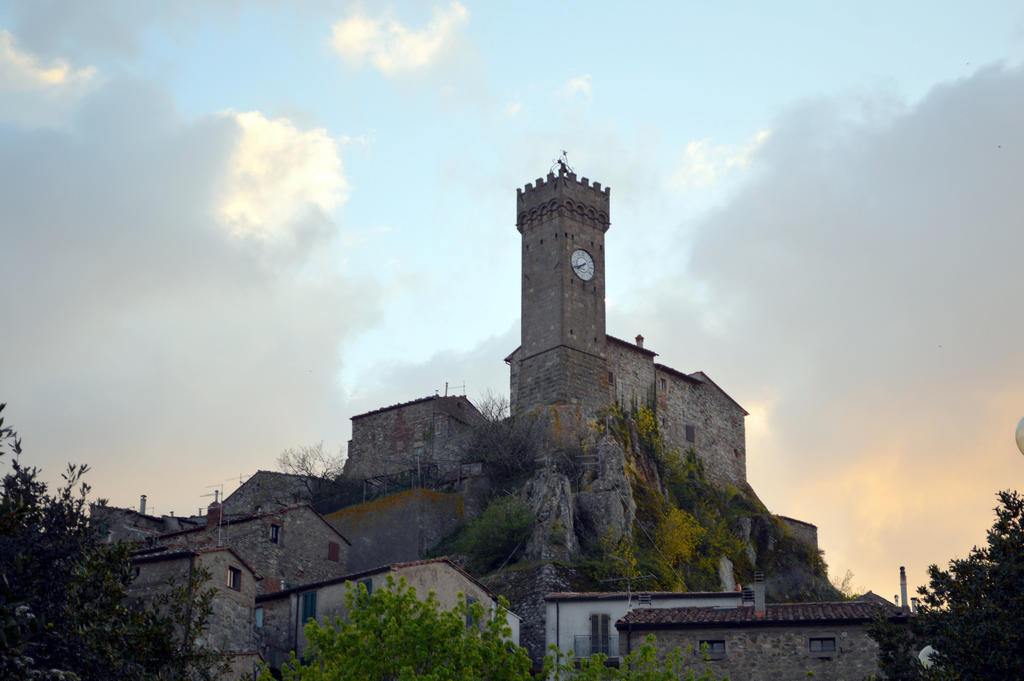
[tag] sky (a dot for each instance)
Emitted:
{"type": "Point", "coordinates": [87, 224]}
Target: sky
{"type": "Point", "coordinates": [228, 227]}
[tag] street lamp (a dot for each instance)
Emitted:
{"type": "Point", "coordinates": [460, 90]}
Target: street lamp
{"type": "Point", "coordinates": [1020, 436]}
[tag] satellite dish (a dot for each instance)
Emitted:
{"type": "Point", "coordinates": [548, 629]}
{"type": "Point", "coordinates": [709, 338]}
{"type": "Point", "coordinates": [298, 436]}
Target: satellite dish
{"type": "Point", "coordinates": [1020, 436]}
{"type": "Point", "coordinates": [926, 656]}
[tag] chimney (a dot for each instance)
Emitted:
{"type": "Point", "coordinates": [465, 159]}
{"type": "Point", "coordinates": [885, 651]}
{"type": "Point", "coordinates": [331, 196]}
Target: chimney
{"type": "Point", "coordinates": [142, 505]}
{"type": "Point", "coordinates": [903, 591]}
{"type": "Point", "coordinates": [759, 605]}
{"type": "Point", "coordinates": [639, 341]}
{"type": "Point", "coordinates": [213, 514]}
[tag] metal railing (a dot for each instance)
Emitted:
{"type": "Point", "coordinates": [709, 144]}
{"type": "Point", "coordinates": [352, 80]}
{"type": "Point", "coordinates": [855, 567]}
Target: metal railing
{"type": "Point", "coordinates": [585, 646]}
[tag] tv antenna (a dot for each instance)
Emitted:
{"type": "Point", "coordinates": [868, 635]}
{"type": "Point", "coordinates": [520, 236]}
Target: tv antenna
{"type": "Point", "coordinates": [562, 163]}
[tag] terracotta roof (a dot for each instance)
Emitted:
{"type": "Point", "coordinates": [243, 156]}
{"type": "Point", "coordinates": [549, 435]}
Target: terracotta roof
{"type": "Point", "coordinates": [794, 520]}
{"type": "Point", "coordinates": [412, 402]}
{"type": "Point", "coordinates": [631, 346]}
{"type": "Point", "coordinates": [678, 374]}
{"type": "Point", "coordinates": [255, 516]}
{"type": "Point", "coordinates": [355, 576]}
{"type": "Point", "coordinates": [613, 595]}
{"type": "Point", "coordinates": [776, 614]}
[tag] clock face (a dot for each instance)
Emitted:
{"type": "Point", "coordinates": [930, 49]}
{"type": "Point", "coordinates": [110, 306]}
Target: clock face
{"type": "Point", "coordinates": [582, 264]}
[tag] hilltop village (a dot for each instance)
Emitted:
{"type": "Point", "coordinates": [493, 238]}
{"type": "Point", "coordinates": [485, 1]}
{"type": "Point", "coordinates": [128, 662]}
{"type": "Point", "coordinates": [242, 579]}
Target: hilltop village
{"type": "Point", "coordinates": [619, 484]}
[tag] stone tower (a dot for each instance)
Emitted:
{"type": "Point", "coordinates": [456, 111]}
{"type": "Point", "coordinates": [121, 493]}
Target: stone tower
{"type": "Point", "coordinates": [562, 357]}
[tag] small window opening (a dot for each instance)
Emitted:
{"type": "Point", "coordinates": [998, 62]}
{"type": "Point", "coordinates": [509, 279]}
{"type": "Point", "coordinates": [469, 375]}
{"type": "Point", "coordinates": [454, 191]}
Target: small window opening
{"type": "Point", "coordinates": [691, 434]}
{"type": "Point", "coordinates": [309, 606]}
{"type": "Point", "coordinates": [258, 616]}
{"type": "Point", "coordinates": [333, 551]}
{"type": "Point", "coordinates": [664, 385]}
{"type": "Point", "coordinates": [713, 648]}
{"type": "Point", "coordinates": [275, 534]}
{"type": "Point", "coordinates": [823, 645]}
{"type": "Point", "coordinates": [234, 578]}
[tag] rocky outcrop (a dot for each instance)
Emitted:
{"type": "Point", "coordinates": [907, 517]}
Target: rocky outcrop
{"type": "Point", "coordinates": [604, 504]}
{"type": "Point", "coordinates": [549, 495]}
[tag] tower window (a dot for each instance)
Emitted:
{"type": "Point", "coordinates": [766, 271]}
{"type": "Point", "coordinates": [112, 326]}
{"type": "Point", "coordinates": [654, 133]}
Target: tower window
{"type": "Point", "coordinates": [664, 385]}
{"type": "Point", "coordinates": [691, 434]}
{"type": "Point", "coordinates": [275, 534]}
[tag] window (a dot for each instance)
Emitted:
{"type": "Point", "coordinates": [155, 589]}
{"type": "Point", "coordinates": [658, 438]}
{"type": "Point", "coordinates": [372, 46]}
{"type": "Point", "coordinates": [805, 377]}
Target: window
{"type": "Point", "coordinates": [691, 434]}
{"type": "Point", "coordinates": [823, 647]}
{"type": "Point", "coordinates": [713, 648]}
{"type": "Point", "coordinates": [275, 534]}
{"type": "Point", "coordinates": [309, 606]}
{"type": "Point", "coordinates": [664, 385]}
{"type": "Point", "coordinates": [368, 583]}
{"type": "Point", "coordinates": [258, 616]}
{"type": "Point", "coordinates": [470, 619]}
{"type": "Point", "coordinates": [599, 633]}
{"type": "Point", "coordinates": [611, 378]}
{"type": "Point", "coordinates": [438, 426]}
{"type": "Point", "coordinates": [333, 551]}
{"type": "Point", "coordinates": [234, 578]}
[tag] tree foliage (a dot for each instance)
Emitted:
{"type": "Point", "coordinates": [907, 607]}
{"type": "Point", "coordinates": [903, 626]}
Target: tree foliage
{"type": "Point", "coordinates": [972, 613]}
{"type": "Point", "coordinates": [507, 445]}
{"type": "Point", "coordinates": [643, 664]}
{"type": "Point", "coordinates": [393, 635]}
{"type": "Point", "coordinates": [494, 536]}
{"type": "Point", "coordinates": [64, 612]}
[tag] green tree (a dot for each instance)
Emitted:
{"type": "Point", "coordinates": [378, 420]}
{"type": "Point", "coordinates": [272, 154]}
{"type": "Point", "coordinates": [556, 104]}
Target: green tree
{"type": "Point", "coordinates": [496, 534]}
{"type": "Point", "coordinates": [393, 635]}
{"type": "Point", "coordinates": [64, 612]}
{"type": "Point", "coordinates": [972, 613]}
{"type": "Point", "coordinates": [643, 664]}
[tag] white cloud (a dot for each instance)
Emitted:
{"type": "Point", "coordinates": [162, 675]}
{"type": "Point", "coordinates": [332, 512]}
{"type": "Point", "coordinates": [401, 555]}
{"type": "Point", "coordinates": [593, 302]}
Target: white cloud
{"type": "Point", "coordinates": [277, 173]}
{"type": "Point", "coordinates": [21, 71]}
{"type": "Point", "coordinates": [702, 164]}
{"type": "Point", "coordinates": [578, 86]}
{"type": "Point", "coordinates": [392, 47]}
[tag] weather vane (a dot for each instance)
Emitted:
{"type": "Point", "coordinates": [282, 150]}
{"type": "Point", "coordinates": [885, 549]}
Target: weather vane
{"type": "Point", "coordinates": [562, 162]}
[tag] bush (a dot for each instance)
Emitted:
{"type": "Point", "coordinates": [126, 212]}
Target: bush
{"type": "Point", "coordinates": [492, 538]}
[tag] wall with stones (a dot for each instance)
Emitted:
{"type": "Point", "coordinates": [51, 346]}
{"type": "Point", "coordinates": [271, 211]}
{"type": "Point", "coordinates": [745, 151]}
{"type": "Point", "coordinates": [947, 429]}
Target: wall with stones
{"type": "Point", "coordinates": [432, 430]}
{"type": "Point", "coordinates": [717, 423]}
{"type": "Point", "coordinates": [804, 532]}
{"type": "Point", "coordinates": [301, 554]}
{"type": "Point", "coordinates": [563, 375]}
{"type": "Point", "coordinates": [404, 526]}
{"type": "Point", "coordinates": [632, 371]}
{"type": "Point", "coordinates": [769, 653]}
{"type": "Point", "coordinates": [267, 491]}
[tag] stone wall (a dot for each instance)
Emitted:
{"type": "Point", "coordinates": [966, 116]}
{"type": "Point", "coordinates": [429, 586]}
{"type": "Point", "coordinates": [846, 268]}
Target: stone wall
{"type": "Point", "coordinates": [268, 491]}
{"type": "Point", "coordinates": [693, 406]}
{"type": "Point", "coordinates": [632, 369]}
{"type": "Point", "coordinates": [562, 375]}
{"type": "Point", "coordinates": [804, 532]}
{"type": "Point", "coordinates": [404, 526]}
{"type": "Point", "coordinates": [431, 430]}
{"type": "Point", "coordinates": [301, 554]}
{"type": "Point", "coordinates": [770, 653]}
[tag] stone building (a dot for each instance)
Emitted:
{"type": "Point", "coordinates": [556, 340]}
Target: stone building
{"type": "Point", "coordinates": [234, 583]}
{"type": "Point", "coordinates": [566, 358]}
{"type": "Point", "coordinates": [281, 616]}
{"type": "Point", "coordinates": [424, 436]}
{"type": "Point", "coordinates": [287, 546]}
{"type": "Point", "coordinates": [268, 491]}
{"type": "Point", "coordinates": [584, 622]}
{"type": "Point", "coordinates": [825, 641]}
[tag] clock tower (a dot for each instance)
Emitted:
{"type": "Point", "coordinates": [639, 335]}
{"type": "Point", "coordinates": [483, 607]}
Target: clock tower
{"type": "Point", "coordinates": [562, 356]}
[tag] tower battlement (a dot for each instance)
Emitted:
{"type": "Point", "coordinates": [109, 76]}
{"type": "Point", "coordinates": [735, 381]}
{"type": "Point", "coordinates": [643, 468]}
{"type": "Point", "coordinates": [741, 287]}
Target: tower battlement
{"type": "Point", "coordinates": [563, 195]}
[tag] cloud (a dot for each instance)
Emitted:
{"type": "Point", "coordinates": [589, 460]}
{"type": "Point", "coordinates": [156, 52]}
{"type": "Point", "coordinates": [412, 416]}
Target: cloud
{"type": "Point", "coordinates": [141, 337]}
{"type": "Point", "coordinates": [702, 164]}
{"type": "Point", "coordinates": [277, 173]}
{"type": "Point", "coordinates": [393, 48]}
{"type": "Point", "coordinates": [20, 71]}
{"type": "Point", "coordinates": [864, 285]}
{"type": "Point", "coordinates": [578, 86]}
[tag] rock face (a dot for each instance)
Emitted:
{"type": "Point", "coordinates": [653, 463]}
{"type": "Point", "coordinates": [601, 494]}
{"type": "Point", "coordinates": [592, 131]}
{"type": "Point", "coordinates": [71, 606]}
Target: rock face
{"type": "Point", "coordinates": [549, 495]}
{"type": "Point", "coordinates": [604, 504]}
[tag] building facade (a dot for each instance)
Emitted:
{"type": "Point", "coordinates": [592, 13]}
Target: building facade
{"type": "Point", "coordinates": [825, 641]}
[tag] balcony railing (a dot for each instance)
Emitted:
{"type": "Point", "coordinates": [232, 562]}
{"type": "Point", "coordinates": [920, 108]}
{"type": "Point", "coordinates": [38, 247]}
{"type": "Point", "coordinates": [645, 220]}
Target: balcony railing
{"type": "Point", "coordinates": [585, 646]}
